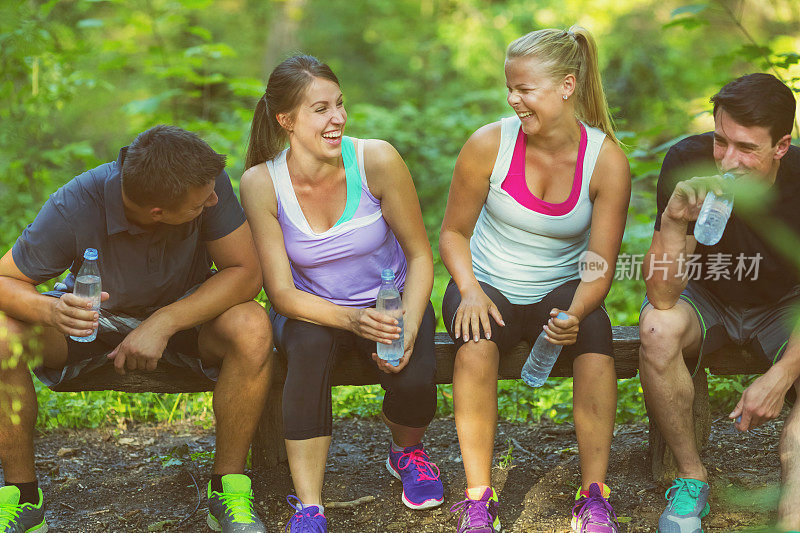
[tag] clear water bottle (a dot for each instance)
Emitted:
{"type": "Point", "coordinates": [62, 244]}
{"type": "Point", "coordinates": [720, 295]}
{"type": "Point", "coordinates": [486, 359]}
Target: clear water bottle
{"type": "Point", "coordinates": [390, 303]}
{"type": "Point", "coordinates": [714, 216]}
{"type": "Point", "coordinates": [87, 285]}
{"type": "Point", "coordinates": [541, 359]}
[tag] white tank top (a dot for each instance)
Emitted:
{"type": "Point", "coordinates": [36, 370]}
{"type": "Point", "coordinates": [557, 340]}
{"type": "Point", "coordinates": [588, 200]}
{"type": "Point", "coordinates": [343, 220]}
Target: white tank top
{"type": "Point", "coordinates": [523, 253]}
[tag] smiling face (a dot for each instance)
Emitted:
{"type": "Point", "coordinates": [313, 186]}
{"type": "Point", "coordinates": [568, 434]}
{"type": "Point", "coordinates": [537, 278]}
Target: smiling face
{"type": "Point", "coordinates": [318, 122]}
{"type": "Point", "coordinates": [536, 98]}
{"type": "Point", "coordinates": [746, 149]}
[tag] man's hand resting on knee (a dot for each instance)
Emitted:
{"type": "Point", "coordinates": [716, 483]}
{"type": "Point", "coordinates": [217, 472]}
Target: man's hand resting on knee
{"type": "Point", "coordinates": [143, 347]}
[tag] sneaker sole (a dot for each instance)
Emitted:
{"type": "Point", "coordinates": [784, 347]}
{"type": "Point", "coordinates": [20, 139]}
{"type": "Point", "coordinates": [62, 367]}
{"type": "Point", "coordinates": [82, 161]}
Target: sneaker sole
{"type": "Point", "coordinates": [212, 523]}
{"type": "Point", "coordinates": [427, 504]}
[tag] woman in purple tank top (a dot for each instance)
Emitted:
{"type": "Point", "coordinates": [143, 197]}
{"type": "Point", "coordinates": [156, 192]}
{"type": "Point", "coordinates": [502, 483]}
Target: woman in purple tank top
{"type": "Point", "coordinates": [328, 213]}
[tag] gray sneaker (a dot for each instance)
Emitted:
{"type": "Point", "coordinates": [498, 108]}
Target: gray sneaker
{"type": "Point", "coordinates": [24, 518]}
{"type": "Point", "coordinates": [688, 503]}
{"type": "Point", "coordinates": [231, 511]}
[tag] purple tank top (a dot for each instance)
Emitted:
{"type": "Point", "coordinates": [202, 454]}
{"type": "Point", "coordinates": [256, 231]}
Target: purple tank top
{"type": "Point", "coordinates": [343, 264]}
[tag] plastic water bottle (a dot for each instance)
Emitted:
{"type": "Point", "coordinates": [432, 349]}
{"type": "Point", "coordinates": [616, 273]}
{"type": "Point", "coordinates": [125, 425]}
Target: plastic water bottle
{"type": "Point", "coordinates": [390, 303]}
{"type": "Point", "coordinates": [541, 359]}
{"type": "Point", "coordinates": [714, 216]}
{"type": "Point", "coordinates": [87, 285]}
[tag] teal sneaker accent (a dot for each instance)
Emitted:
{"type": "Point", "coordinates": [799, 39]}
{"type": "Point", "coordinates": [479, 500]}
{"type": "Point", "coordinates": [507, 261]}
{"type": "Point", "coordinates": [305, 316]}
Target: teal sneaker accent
{"type": "Point", "coordinates": [688, 503]}
{"type": "Point", "coordinates": [20, 518]}
{"type": "Point", "coordinates": [232, 511]}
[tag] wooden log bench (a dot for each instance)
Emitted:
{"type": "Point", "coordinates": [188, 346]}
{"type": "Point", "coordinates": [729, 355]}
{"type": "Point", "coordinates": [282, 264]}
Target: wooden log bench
{"type": "Point", "coordinates": [268, 448]}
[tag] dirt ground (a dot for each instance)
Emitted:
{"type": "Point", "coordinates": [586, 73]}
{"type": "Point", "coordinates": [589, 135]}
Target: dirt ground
{"type": "Point", "coordinates": [140, 479]}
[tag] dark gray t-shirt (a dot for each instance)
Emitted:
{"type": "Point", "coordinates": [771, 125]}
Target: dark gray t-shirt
{"type": "Point", "coordinates": [140, 269]}
{"type": "Point", "coordinates": [743, 267]}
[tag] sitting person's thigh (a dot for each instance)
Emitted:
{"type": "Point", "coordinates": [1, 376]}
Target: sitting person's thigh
{"type": "Point", "coordinates": [594, 330]}
{"type": "Point", "coordinates": [770, 326]}
{"type": "Point", "coordinates": [505, 337]}
{"type": "Point", "coordinates": [716, 323]}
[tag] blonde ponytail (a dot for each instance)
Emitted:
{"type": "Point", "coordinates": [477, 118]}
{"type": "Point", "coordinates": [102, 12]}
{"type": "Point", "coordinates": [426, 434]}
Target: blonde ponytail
{"type": "Point", "coordinates": [571, 51]}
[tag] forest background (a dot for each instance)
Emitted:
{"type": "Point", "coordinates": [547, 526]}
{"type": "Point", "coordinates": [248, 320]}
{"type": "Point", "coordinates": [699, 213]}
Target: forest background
{"type": "Point", "coordinates": [80, 78]}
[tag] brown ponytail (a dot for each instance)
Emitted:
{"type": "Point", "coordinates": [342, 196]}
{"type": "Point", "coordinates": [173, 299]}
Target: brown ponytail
{"type": "Point", "coordinates": [572, 51]}
{"type": "Point", "coordinates": [285, 89]}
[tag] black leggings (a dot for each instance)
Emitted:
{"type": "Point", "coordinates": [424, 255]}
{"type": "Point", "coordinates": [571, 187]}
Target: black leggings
{"type": "Point", "coordinates": [311, 351]}
{"type": "Point", "coordinates": [526, 321]}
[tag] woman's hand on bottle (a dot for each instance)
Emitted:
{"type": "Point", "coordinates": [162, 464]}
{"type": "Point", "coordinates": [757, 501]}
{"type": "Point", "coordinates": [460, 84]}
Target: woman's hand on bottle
{"type": "Point", "coordinates": [409, 338]}
{"type": "Point", "coordinates": [371, 324]}
{"type": "Point", "coordinates": [474, 312]}
{"type": "Point", "coordinates": [562, 331]}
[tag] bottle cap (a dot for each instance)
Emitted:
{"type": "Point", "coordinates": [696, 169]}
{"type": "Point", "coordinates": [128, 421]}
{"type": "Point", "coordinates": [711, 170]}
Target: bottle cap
{"type": "Point", "coordinates": [387, 274]}
{"type": "Point", "coordinates": [562, 316]}
{"type": "Point", "coordinates": [90, 254]}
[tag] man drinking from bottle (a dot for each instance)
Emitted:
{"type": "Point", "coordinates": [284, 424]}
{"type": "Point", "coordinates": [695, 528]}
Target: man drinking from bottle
{"type": "Point", "coordinates": [690, 312]}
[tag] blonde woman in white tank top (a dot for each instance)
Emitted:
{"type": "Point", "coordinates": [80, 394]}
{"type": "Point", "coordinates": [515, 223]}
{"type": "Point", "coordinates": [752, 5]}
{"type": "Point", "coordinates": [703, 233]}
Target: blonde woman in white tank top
{"type": "Point", "coordinates": [530, 194]}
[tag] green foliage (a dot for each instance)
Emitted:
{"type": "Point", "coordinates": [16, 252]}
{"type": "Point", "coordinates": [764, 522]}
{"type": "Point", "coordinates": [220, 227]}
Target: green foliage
{"type": "Point", "coordinates": [118, 409]}
{"type": "Point", "coordinates": [80, 79]}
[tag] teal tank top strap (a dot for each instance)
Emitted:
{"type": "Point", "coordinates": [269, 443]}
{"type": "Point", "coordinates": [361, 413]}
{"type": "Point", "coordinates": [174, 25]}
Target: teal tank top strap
{"type": "Point", "coordinates": [353, 179]}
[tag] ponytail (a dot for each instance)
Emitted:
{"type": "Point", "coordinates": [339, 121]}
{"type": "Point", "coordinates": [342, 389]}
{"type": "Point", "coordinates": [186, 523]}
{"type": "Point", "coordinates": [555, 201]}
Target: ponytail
{"type": "Point", "coordinates": [267, 138]}
{"type": "Point", "coordinates": [592, 103]}
{"type": "Point", "coordinates": [285, 89]}
{"type": "Point", "coordinates": [573, 52]}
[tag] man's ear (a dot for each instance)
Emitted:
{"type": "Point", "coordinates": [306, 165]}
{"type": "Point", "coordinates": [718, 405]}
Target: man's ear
{"type": "Point", "coordinates": [156, 214]}
{"type": "Point", "coordinates": [782, 146]}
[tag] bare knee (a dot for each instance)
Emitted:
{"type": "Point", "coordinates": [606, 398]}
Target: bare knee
{"type": "Point", "coordinates": [246, 331]}
{"type": "Point", "coordinates": [663, 334]}
{"type": "Point", "coordinates": [478, 360]}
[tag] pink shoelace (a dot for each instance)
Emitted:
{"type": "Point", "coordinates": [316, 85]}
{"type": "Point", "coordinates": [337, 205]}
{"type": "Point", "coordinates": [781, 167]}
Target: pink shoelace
{"type": "Point", "coordinates": [425, 468]}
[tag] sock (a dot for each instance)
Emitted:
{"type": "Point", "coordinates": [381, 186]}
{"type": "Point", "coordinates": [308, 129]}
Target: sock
{"type": "Point", "coordinates": [320, 507]}
{"type": "Point", "coordinates": [396, 448]}
{"type": "Point", "coordinates": [475, 493]}
{"type": "Point", "coordinates": [216, 483]}
{"type": "Point", "coordinates": [28, 492]}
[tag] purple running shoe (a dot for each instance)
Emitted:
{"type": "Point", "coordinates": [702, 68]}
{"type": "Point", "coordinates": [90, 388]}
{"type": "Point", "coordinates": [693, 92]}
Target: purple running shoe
{"type": "Point", "coordinates": [422, 488]}
{"type": "Point", "coordinates": [478, 516]}
{"type": "Point", "coordinates": [593, 513]}
{"type": "Point", "coordinates": [305, 520]}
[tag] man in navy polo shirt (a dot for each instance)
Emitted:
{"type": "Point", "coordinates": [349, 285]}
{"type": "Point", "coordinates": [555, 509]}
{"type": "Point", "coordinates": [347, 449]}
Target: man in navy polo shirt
{"type": "Point", "coordinates": [158, 216]}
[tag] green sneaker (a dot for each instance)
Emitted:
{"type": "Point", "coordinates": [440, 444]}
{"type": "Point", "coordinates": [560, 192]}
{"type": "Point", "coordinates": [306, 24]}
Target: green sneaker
{"type": "Point", "coordinates": [688, 503]}
{"type": "Point", "coordinates": [231, 511]}
{"type": "Point", "coordinates": [20, 518]}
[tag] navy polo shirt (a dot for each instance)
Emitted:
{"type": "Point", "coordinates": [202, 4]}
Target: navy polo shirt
{"type": "Point", "coordinates": [141, 269]}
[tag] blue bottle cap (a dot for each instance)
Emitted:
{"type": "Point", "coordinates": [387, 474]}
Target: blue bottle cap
{"type": "Point", "coordinates": [387, 274]}
{"type": "Point", "coordinates": [562, 316]}
{"type": "Point", "coordinates": [90, 254]}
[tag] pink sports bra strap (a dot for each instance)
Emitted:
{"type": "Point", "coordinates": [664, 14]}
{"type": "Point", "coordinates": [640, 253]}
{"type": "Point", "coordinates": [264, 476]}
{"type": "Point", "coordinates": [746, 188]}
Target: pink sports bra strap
{"type": "Point", "coordinates": [516, 186]}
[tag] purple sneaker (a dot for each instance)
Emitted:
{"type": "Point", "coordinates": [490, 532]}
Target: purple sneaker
{"type": "Point", "coordinates": [422, 488]}
{"type": "Point", "coordinates": [478, 516]}
{"type": "Point", "coordinates": [593, 513]}
{"type": "Point", "coordinates": [305, 520]}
